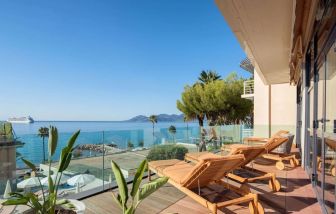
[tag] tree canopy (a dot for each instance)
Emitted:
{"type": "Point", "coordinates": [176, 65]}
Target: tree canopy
{"type": "Point", "coordinates": [219, 101]}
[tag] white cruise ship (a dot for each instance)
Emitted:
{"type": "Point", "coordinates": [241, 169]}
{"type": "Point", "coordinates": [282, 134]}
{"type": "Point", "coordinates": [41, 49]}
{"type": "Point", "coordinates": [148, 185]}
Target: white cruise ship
{"type": "Point", "coordinates": [21, 120]}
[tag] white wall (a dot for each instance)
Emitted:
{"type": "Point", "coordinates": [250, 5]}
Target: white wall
{"type": "Point", "coordinates": [274, 107]}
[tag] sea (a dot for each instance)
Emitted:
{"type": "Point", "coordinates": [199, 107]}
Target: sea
{"type": "Point", "coordinates": [98, 132]}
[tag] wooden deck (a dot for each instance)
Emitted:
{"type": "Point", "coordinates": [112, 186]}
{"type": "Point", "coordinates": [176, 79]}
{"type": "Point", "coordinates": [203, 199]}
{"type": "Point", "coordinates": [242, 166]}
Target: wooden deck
{"type": "Point", "coordinates": [296, 196]}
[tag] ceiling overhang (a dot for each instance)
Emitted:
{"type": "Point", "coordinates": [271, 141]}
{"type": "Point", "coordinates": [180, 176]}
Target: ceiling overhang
{"type": "Point", "coordinates": [264, 30]}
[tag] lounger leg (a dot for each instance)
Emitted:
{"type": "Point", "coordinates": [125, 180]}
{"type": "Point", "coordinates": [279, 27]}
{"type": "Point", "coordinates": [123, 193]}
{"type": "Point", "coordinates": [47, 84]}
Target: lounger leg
{"type": "Point", "coordinates": [214, 209]}
{"type": "Point", "coordinates": [149, 175]}
{"type": "Point", "coordinates": [280, 165]}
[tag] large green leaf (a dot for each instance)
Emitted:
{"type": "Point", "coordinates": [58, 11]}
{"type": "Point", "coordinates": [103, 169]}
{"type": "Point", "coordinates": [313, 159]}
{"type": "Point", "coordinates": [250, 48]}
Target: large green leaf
{"type": "Point", "coordinates": [63, 159]}
{"type": "Point", "coordinates": [138, 177]}
{"type": "Point", "coordinates": [130, 210]}
{"type": "Point", "coordinates": [122, 186]}
{"type": "Point", "coordinates": [29, 164]}
{"type": "Point", "coordinates": [51, 184]}
{"type": "Point", "coordinates": [72, 140]}
{"type": "Point", "coordinates": [34, 201]}
{"type": "Point", "coordinates": [52, 141]}
{"type": "Point", "coordinates": [17, 201]}
{"type": "Point", "coordinates": [117, 200]}
{"type": "Point", "coordinates": [152, 186]}
{"type": "Point", "coordinates": [67, 162]}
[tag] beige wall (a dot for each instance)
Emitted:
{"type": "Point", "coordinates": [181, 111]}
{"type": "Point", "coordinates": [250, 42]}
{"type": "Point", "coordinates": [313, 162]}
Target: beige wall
{"type": "Point", "coordinates": [275, 105]}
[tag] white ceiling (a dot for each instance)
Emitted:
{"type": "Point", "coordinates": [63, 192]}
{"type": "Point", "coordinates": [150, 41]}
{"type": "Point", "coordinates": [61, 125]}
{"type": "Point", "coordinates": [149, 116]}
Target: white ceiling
{"type": "Point", "coordinates": [264, 30]}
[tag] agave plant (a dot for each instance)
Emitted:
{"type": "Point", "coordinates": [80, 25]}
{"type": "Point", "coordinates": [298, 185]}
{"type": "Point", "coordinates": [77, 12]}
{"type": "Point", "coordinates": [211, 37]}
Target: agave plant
{"type": "Point", "coordinates": [138, 194]}
{"type": "Point", "coordinates": [49, 203]}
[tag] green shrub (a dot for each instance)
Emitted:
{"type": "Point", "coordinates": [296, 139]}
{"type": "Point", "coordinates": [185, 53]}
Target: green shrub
{"type": "Point", "coordinates": [165, 152]}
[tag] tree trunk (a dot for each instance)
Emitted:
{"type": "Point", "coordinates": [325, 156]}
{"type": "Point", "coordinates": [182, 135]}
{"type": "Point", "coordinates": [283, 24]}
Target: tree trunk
{"type": "Point", "coordinates": [153, 134]}
{"type": "Point", "coordinates": [43, 150]}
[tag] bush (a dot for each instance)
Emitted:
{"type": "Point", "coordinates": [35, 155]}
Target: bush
{"type": "Point", "coordinates": [165, 152]}
{"type": "Point", "coordinates": [141, 143]}
{"type": "Point", "coordinates": [130, 145]}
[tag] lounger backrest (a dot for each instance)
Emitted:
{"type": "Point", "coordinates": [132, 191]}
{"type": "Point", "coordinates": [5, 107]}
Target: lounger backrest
{"type": "Point", "coordinates": [211, 169]}
{"type": "Point", "coordinates": [274, 142]}
{"type": "Point", "coordinates": [250, 153]}
{"type": "Point", "coordinates": [278, 133]}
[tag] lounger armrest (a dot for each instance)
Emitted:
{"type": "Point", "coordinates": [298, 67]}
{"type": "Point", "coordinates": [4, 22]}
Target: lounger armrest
{"type": "Point", "coordinates": [255, 139]}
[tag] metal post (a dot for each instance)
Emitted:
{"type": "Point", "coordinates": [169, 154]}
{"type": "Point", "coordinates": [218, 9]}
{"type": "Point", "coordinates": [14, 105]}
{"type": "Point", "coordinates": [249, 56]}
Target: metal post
{"type": "Point", "coordinates": [103, 158]}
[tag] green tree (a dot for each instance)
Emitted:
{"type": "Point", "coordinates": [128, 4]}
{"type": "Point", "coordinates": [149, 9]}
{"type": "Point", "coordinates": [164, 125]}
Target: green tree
{"type": "Point", "coordinates": [208, 76]}
{"type": "Point", "coordinates": [186, 119]}
{"type": "Point", "coordinates": [43, 132]}
{"type": "Point", "coordinates": [218, 101]}
{"type": "Point", "coordinates": [172, 131]}
{"type": "Point", "coordinates": [153, 120]}
{"type": "Point", "coordinates": [130, 145]}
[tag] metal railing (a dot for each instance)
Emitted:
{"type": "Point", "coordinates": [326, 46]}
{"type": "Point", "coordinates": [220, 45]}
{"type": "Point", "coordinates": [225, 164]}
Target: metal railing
{"type": "Point", "coordinates": [249, 87]}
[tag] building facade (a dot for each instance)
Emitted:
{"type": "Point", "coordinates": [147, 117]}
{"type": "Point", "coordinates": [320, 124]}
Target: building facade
{"type": "Point", "coordinates": [291, 45]}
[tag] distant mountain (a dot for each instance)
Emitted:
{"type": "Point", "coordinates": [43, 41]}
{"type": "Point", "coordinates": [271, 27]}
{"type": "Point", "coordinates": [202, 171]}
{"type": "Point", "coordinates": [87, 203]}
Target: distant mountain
{"type": "Point", "coordinates": [160, 118]}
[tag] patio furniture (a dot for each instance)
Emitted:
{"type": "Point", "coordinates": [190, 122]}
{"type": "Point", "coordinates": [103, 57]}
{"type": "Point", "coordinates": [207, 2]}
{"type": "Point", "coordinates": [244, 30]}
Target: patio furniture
{"type": "Point", "coordinates": [198, 181]}
{"type": "Point", "coordinates": [273, 152]}
{"type": "Point", "coordinates": [331, 145]}
{"type": "Point", "coordinates": [244, 174]}
{"type": "Point", "coordinates": [281, 152]}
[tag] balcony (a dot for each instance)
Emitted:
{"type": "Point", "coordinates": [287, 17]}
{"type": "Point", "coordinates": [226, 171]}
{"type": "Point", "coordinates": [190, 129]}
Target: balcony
{"type": "Point", "coordinates": [248, 89]}
{"type": "Point", "coordinates": [296, 195]}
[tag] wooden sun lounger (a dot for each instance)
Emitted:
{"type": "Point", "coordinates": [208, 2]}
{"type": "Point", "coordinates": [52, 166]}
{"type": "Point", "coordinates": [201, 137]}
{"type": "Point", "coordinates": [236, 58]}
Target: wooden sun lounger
{"type": "Point", "coordinates": [250, 153]}
{"type": "Point", "coordinates": [196, 180]}
{"type": "Point", "coordinates": [270, 146]}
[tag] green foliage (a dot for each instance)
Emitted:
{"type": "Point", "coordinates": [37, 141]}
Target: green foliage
{"type": "Point", "coordinates": [137, 193]}
{"type": "Point", "coordinates": [208, 76]}
{"type": "Point", "coordinates": [220, 101]}
{"type": "Point", "coordinates": [172, 131]}
{"type": "Point", "coordinates": [141, 143]}
{"type": "Point", "coordinates": [43, 132]}
{"type": "Point", "coordinates": [165, 152]}
{"type": "Point", "coordinates": [153, 119]}
{"type": "Point", "coordinates": [130, 145]}
{"type": "Point", "coordinates": [49, 203]}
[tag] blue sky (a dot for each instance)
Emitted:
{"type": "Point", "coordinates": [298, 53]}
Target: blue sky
{"type": "Point", "coordinates": [107, 60]}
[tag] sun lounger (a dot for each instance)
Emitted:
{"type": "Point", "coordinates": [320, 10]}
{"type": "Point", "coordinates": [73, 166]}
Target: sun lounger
{"type": "Point", "coordinates": [244, 174]}
{"type": "Point", "coordinates": [271, 147]}
{"type": "Point", "coordinates": [198, 181]}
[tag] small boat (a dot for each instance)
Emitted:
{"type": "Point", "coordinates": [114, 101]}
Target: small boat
{"type": "Point", "coordinates": [21, 120]}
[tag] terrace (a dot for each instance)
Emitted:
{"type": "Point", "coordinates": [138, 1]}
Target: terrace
{"type": "Point", "coordinates": [296, 196]}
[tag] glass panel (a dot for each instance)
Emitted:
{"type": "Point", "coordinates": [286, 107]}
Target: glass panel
{"type": "Point", "coordinates": [330, 132]}
{"type": "Point", "coordinates": [319, 129]}
{"type": "Point", "coordinates": [310, 128]}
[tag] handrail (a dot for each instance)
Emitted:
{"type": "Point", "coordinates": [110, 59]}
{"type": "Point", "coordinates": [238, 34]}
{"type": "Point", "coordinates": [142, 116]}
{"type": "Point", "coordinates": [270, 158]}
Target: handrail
{"type": "Point", "coordinates": [248, 87]}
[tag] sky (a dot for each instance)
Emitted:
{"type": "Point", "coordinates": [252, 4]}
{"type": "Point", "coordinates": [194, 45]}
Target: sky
{"type": "Point", "coordinates": [108, 59]}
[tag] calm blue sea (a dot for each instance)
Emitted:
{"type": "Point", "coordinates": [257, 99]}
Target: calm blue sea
{"type": "Point", "coordinates": [119, 133]}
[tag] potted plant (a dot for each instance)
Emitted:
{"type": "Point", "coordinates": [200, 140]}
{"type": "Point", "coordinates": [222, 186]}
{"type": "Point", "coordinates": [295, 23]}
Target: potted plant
{"type": "Point", "coordinates": [137, 193]}
{"type": "Point", "coordinates": [49, 203]}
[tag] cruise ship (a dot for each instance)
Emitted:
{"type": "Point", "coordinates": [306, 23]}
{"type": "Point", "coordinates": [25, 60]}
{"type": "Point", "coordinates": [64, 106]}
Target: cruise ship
{"type": "Point", "coordinates": [21, 120]}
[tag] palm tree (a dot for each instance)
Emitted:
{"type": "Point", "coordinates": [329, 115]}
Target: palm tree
{"type": "Point", "coordinates": [172, 131]}
{"type": "Point", "coordinates": [208, 76]}
{"type": "Point", "coordinates": [153, 119]}
{"type": "Point", "coordinates": [186, 119]}
{"type": "Point", "coordinates": [43, 132]}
